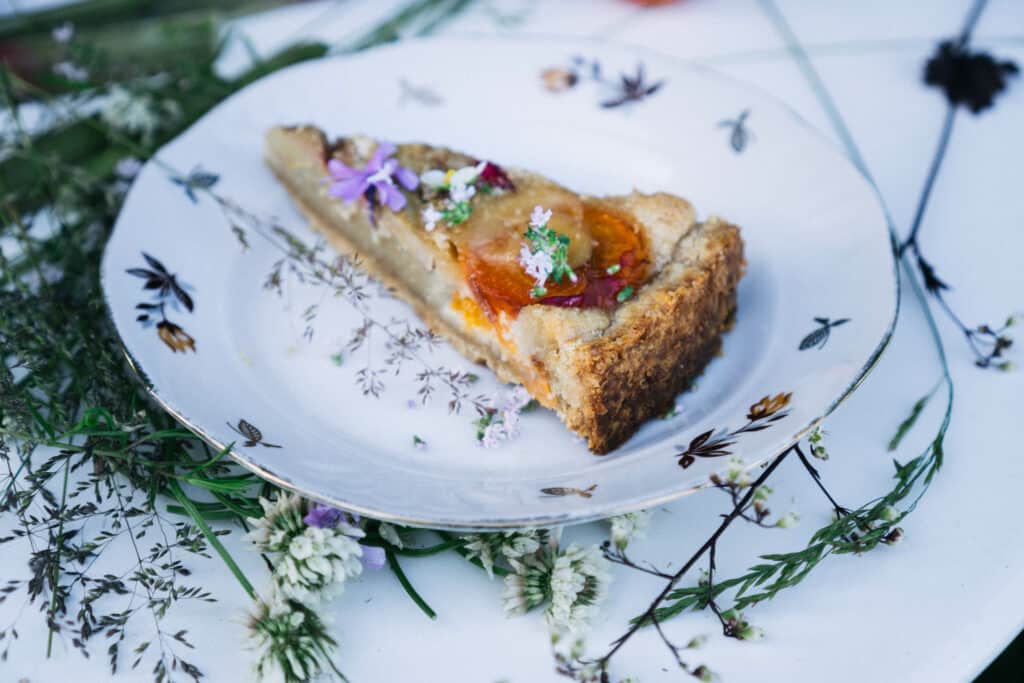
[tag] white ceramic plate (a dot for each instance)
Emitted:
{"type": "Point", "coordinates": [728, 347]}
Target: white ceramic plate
{"type": "Point", "coordinates": [817, 243]}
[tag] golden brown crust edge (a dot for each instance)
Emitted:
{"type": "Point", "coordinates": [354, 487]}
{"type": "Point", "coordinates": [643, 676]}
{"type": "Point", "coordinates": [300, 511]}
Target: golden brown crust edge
{"type": "Point", "coordinates": [635, 374]}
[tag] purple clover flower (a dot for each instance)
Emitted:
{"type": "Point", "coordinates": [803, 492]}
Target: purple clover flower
{"type": "Point", "coordinates": [376, 181]}
{"type": "Point", "coordinates": [373, 557]}
{"type": "Point", "coordinates": [323, 516]}
{"type": "Point", "coordinates": [327, 517]}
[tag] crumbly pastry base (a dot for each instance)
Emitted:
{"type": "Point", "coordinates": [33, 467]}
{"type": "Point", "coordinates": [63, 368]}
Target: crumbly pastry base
{"type": "Point", "coordinates": [604, 372]}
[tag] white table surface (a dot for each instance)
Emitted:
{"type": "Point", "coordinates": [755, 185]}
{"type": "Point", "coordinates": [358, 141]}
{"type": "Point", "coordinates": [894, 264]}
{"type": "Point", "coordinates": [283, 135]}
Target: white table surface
{"type": "Point", "coordinates": [936, 607]}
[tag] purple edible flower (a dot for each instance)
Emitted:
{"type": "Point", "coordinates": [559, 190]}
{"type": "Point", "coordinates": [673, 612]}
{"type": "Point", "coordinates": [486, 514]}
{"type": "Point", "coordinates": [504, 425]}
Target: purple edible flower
{"type": "Point", "coordinates": [323, 516]}
{"type": "Point", "coordinates": [373, 557]}
{"type": "Point", "coordinates": [376, 181]}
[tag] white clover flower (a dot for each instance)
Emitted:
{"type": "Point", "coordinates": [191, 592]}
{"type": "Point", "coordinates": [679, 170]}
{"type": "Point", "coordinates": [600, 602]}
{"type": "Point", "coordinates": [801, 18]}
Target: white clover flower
{"type": "Point", "coordinates": [290, 642]}
{"type": "Point", "coordinates": [537, 264]}
{"type": "Point", "coordinates": [540, 217]}
{"type": "Point", "coordinates": [71, 71]}
{"type": "Point", "coordinates": [431, 217]}
{"type": "Point", "coordinates": [311, 563]}
{"type": "Point", "coordinates": [63, 33]}
{"type": "Point", "coordinates": [579, 584]}
{"type": "Point", "coordinates": [788, 520]}
{"type": "Point", "coordinates": [512, 545]}
{"type": "Point", "coordinates": [625, 528]}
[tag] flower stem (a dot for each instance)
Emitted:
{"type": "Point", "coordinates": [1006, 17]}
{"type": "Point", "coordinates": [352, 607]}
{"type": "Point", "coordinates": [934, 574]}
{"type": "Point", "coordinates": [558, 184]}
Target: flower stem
{"type": "Point", "coordinates": [197, 517]}
{"type": "Point", "coordinates": [404, 580]}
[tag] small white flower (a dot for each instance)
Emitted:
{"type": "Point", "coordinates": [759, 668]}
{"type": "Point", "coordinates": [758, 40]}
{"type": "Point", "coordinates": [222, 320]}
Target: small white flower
{"type": "Point", "coordinates": [625, 528]}
{"type": "Point", "coordinates": [816, 440]}
{"type": "Point", "coordinates": [461, 193]}
{"type": "Point", "coordinates": [512, 545]}
{"type": "Point", "coordinates": [537, 264]}
{"type": "Point", "coordinates": [390, 534]}
{"type": "Point", "coordinates": [434, 178]}
{"type": "Point", "coordinates": [128, 168]}
{"type": "Point", "coordinates": [539, 218]}
{"type": "Point", "coordinates": [788, 520]}
{"type": "Point", "coordinates": [736, 472]}
{"type": "Point", "coordinates": [71, 71]}
{"type": "Point", "coordinates": [431, 217]}
{"type": "Point", "coordinates": [890, 514]}
{"type": "Point", "coordinates": [64, 33]}
{"type": "Point", "coordinates": [129, 112]}
{"type": "Point", "coordinates": [465, 176]}
{"type": "Point", "coordinates": [494, 434]}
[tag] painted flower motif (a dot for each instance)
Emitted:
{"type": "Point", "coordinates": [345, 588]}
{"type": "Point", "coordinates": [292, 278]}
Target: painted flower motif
{"type": "Point", "coordinates": [174, 337]}
{"type": "Point", "coordinates": [768, 406]}
{"type": "Point", "coordinates": [376, 181]}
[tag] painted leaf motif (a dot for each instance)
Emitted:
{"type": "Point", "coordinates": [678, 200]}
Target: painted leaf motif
{"type": "Point", "coordinates": [738, 138]}
{"type": "Point", "coordinates": [814, 338]}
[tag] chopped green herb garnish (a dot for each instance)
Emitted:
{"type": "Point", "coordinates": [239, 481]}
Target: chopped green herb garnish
{"type": "Point", "coordinates": [611, 270]}
{"type": "Point", "coordinates": [624, 293]}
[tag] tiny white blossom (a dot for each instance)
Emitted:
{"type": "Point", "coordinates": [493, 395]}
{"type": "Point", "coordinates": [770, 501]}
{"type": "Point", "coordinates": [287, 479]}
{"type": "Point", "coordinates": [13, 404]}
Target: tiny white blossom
{"type": "Point", "coordinates": [512, 545]}
{"type": "Point", "coordinates": [539, 218]}
{"type": "Point", "coordinates": [390, 534]}
{"type": "Point", "coordinates": [461, 193]}
{"type": "Point", "coordinates": [431, 217]}
{"type": "Point", "coordinates": [788, 520]}
{"type": "Point", "coordinates": [63, 33]}
{"type": "Point", "coordinates": [128, 168]}
{"type": "Point", "coordinates": [434, 178]}
{"type": "Point", "coordinates": [537, 264]}
{"type": "Point", "coordinates": [71, 71]}
{"type": "Point", "coordinates": [127, 111]}
{"type": "Point", "coordinates": [736, 472]}
{"type": "Point", "coordinates": [625, 528]}
{"type": "Point", "coordinates": [494, 434]}
{"type": "Point", "coordinates": [466, 175]}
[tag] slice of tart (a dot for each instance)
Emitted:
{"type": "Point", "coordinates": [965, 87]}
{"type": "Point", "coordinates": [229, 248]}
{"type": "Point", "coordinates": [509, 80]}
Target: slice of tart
{"type": "Point", "coordinates": [604, 308]}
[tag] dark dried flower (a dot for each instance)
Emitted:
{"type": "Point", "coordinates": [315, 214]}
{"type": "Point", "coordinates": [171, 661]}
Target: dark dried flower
{"type": "Point", "coordinates": [494, 176]}
{"type": "Point", "coordinates": [970, 78]}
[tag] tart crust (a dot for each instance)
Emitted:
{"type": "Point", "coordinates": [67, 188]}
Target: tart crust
{"type": "Point", "coordinates": [604, 371]}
